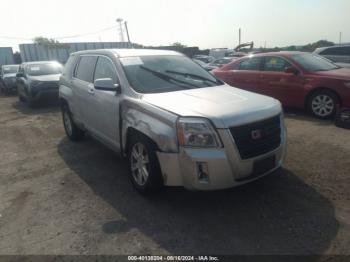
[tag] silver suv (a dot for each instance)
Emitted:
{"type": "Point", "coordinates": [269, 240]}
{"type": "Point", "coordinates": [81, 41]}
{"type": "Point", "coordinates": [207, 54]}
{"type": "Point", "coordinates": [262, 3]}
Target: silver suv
{"type": "Point", "coordinates": [176, 124]}
{"type": "Point", "coordinates": [338, 54]}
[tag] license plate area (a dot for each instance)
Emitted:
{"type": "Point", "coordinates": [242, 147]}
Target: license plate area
{"type": "Point", "coordinates": [261, 167]}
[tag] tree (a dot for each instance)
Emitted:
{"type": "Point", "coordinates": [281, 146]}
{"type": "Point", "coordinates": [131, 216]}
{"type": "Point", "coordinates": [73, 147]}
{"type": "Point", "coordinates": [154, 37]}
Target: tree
{"type": "Point", "coordinates": [313, 46]}
{"type": "Point", "coordinates": [49, 42]}
{"type": "Point", "coordinates": [179, 45]}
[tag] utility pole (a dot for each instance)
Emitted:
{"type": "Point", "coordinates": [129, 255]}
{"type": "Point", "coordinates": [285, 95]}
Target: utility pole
{"type": "Point", "coordinates": [340, 35]}
{"type": "Point", "coordinates": [127, 33]}
{"type": "Point", "coordinates": [121, 33]}
{"type": "Point", "coordinates": [239, 36]}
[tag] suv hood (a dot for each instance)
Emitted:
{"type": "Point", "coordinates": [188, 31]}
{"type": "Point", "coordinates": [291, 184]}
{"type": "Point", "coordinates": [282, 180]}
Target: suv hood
{"type": "Point", "coordinates": [46, 78]}
{"type": "Point", "coordinates": [225, 106]}
{"type": "Point", "coordinates": [341, 73]}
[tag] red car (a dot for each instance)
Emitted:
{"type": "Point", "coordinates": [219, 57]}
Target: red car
{"type": "Point", "coordinates": [297, 79]}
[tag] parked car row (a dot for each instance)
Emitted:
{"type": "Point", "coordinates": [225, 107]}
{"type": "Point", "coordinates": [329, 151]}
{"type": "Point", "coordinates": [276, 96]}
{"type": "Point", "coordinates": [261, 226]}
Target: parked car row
{"type": "Point", "coordinates": [33, 81]}
{"type": "Point", "coordinates": [176, 123]}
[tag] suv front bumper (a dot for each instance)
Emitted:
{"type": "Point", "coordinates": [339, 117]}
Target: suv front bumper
{"type": "Point", "coordinates": [222, 167]}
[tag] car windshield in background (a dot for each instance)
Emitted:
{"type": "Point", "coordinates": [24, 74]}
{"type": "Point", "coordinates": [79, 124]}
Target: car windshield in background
{"type": "Point", "coordinates": [313, 62]}
{"type": "Point", "coordinates": [222, 61]}
{"type": "Point", "coordinates": [10, 69]}
{"type": "Point", "coordinates": [155, 74]}
{"type": "Point", "coordinates": [44, 69]}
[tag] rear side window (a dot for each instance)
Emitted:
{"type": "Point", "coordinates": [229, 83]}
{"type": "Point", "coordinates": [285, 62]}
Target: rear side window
{"type": "Point", "coordinates": [275, 64]}
{"type": "Point", "coordinates": [250, 64]}
{"type": "Point", "coordinates": [86, 68]}
{"type": "Point", "coordinates": [105, 69]}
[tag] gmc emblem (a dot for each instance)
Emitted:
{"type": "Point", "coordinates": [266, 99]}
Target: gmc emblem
{"type": "Point", "coordinates": [256, 134]}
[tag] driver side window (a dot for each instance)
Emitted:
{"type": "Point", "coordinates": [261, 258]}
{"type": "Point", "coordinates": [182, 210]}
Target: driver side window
{"type": "Point", "coordinates": [275, 64]}
{"type": "Point", "coordinates": [105, 69]}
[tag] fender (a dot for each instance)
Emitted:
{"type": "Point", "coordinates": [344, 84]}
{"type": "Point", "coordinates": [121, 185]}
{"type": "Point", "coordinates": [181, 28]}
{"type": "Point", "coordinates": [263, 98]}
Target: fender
{"type": "Point", "coordinates": [158, 125]}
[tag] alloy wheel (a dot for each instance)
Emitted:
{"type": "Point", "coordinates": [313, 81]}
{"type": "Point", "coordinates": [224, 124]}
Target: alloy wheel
{"type": "Point", "coordinates": [322, 105]}
{"type": "Point", "coordinates": [139, 161]}
{"type": "Point", "coordinates": [67, 122]}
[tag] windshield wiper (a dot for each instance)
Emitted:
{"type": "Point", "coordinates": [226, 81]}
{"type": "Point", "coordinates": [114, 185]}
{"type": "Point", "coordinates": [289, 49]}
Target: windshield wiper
{"type": "Point", "coordinates": [167, 77]}
{"type": "Point", "coordinates": [192, 75]}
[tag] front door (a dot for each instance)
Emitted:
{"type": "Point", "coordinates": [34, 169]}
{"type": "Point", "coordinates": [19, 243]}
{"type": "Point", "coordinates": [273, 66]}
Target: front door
{"type": "Point", "coordinates": [104, 118]}
{"type": "Point", "coordinates": [286, 87]}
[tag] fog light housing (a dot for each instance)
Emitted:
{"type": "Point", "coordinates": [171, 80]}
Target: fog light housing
{"type": "Point", "coordinates": [202, 172]}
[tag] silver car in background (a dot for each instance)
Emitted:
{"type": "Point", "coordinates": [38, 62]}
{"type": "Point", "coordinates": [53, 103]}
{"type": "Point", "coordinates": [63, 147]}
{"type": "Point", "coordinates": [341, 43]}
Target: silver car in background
{"type": "Point", "coordinates": [176, 124]}
{"type": "Point", "coordinates": [339, 54]}
{"type": "Point", "coordinates": [38, 81]}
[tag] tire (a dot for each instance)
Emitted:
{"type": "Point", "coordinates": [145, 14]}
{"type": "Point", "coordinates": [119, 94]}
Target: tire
{"type": "Point", "coordinates": [73, 132]}
{"type": "Point", "coordinates": [31, 103]}
{"type": "Point", "coordinates": [144, 167]}
{"type": "Point", "coordinates": [323, 104]}
{"type": "Point", "coordinates": [21, 98]}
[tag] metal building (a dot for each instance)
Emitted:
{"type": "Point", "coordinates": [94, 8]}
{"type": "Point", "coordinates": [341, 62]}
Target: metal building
{"type": "Point", "coordinates": [6, 56]}
{"type": "Point", "coordinates": [37, 52]}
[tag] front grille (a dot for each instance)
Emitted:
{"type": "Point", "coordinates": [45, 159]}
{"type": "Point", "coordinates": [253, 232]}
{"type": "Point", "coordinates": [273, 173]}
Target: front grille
{"type": "Point", "coordinates": [257, 138]}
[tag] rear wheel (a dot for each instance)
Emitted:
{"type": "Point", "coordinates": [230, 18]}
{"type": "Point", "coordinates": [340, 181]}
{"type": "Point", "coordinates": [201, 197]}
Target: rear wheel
{"type": "Point", "coordinates": [322, 104]}
{"type": "Point", "coordinates": [73, 132]}
{"type": "Point", "coordinates": [144, 167]}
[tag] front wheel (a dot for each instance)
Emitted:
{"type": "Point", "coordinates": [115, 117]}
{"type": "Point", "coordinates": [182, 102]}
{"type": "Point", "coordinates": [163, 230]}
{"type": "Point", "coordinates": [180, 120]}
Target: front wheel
{"type": "Point", "coordinates": [144, 167]}
{"type": "Point", "coordinates": [73, 132]}
{"type": "Point", "coordinates": [322, 104]}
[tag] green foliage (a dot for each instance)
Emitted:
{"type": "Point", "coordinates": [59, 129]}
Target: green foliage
{"type": "Point", "coordinates": [306, 48]}
{"type": "Point", "coordinates": [313, 46]}
{"type": "Point", "coordinates": [179, 45]}
{"type": "Point", "coordinates": [50, 43]}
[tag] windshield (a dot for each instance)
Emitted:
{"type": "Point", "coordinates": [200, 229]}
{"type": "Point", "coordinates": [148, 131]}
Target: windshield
{"type": "Point", "coordinates": [44, 69]}
{"type": "Point", "coordinates": [155, 74]}
{"type": "Point", "coordinates": [10, 69]}
{"type": "Point", "coordinates": [313, 62]}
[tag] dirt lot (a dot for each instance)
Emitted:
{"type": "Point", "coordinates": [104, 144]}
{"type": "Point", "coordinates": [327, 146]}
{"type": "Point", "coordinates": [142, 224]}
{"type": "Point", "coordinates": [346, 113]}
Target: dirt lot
{"type": "Point", "coordinates": [57, 197]}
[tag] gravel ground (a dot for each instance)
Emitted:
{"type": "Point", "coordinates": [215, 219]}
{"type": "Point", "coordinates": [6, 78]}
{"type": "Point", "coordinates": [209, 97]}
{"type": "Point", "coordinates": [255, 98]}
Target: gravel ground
{"type": "Point", "coordinates": [57, 197]}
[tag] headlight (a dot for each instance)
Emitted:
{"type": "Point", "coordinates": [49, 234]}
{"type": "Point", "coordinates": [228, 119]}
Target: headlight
{"type": "Point", "coordinates": [347, 84]}
{"type": "Point", "coordinates": [197, 132]}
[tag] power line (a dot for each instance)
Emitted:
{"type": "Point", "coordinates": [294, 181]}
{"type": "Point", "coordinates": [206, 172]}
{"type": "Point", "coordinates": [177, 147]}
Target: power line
{"type": "Point", "coordinates": [62, 37]}
{"type": "Point", "coordinates": [91, 33]}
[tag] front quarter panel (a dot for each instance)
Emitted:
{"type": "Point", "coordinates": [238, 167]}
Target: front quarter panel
{"type": "Point", "coordinates": [155, 123]}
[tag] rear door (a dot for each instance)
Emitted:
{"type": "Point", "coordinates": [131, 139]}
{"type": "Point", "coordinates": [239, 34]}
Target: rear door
{"type": "Point", "coordinates": [104, 118]}
{"type": "Point", "coordinates": [82, 83]}
{"type": "Point", "coordinates": [245, 74]}
{"type": "Point", "coordinates": [286, 87]}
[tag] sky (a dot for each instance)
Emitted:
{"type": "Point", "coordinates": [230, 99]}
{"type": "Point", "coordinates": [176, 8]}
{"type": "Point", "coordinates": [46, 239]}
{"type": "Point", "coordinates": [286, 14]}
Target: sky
{"type": "Point", "coordinates": [203, 23]}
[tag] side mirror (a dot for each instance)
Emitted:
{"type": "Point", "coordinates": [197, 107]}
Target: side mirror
{"type": "Point", "coordinates": [106, 84]}
{"type": "Point", "coordinates": [19, 75]}
{"type": "Point", "coordinates": [291, 70]}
